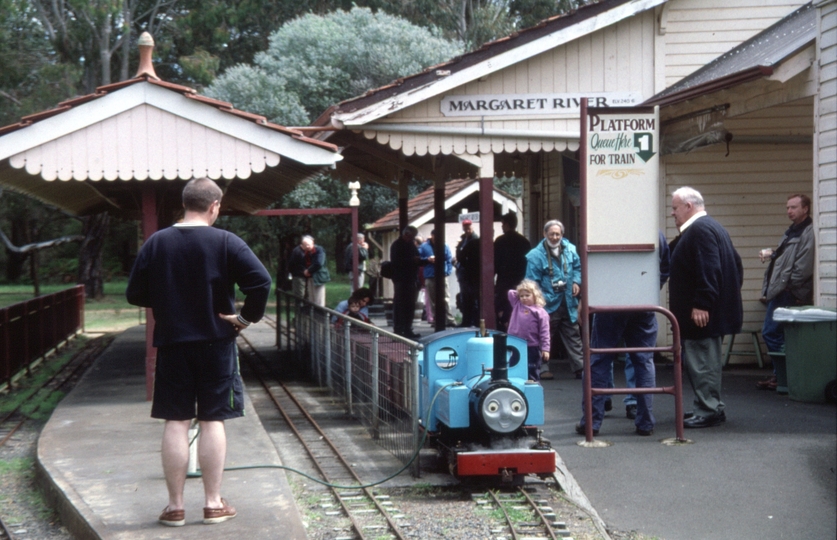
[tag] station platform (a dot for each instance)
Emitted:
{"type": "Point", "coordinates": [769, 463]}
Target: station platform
{"type": "Point", "coordinates": [99, 456]}
{"type": "Point", "coordinates": [767, 472]}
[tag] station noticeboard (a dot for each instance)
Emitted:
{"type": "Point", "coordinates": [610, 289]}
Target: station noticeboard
{"type": "Point", "coordinates": [620, 152]}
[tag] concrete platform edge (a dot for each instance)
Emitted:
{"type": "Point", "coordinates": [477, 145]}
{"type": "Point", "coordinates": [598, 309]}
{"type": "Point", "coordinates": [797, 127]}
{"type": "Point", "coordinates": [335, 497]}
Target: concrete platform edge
{"type": "Point", "coordinates": [74, 513]}
{"type": "Point", "coordinates": [574, 492]}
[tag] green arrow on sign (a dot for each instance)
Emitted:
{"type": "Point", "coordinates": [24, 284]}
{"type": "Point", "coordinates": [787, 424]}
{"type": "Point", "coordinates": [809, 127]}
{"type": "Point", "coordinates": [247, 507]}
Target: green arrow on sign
{"type": "Point", "coordinates": [645, 142]}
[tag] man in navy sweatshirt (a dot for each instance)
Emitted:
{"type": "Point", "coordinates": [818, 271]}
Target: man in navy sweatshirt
{"type": "Point", "coordinates": [187, 275]}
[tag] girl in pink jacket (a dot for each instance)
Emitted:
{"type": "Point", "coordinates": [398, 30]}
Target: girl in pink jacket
{"type": "Point", "coordinates": [530, 321]}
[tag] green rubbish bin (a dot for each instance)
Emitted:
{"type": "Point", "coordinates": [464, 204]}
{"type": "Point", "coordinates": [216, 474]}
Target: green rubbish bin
{"type": "Point", "coordinates": [810, 352]}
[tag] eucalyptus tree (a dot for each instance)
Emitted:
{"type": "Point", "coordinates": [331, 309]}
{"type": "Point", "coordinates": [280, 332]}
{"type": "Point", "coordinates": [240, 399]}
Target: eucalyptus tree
{"type": "Point", "coordinates": [475, 22]}
{"type": "Point", "coordinates": [316, 61]}
{"type": "Point", "coordinates": [311, 63]}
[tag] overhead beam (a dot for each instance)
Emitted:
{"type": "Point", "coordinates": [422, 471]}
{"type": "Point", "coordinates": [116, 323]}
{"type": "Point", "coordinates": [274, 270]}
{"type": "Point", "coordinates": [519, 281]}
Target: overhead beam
{"type": "Point", "coordinates": [390, 158]}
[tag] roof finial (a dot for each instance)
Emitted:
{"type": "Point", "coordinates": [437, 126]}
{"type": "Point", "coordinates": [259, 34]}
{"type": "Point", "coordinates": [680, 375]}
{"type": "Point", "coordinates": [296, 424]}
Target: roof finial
{"type": "Point", "coordinates": [146, 48]}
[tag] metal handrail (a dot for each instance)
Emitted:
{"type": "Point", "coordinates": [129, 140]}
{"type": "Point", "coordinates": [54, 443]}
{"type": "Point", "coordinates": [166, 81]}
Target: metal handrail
{"type": "Point", "coordinates": [676, 390]}
{"type": "Point", "coordinates": [357, 369]}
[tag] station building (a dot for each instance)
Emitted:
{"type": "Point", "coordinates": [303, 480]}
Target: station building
{"type": "Point", "coordinates": [746, 90]}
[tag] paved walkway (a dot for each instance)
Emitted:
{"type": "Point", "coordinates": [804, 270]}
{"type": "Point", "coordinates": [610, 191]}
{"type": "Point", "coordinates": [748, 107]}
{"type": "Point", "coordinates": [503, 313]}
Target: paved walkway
{"type": "Point", "coordinates": [768, 472]}
{"type": "Point", "coordinates": [100, 455]}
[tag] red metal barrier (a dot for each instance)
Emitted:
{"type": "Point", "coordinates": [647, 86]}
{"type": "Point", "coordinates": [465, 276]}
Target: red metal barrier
{"type": "Point", "coordinates": [30, 329]}
{"type": "Point", "coordinates": [676, 390]}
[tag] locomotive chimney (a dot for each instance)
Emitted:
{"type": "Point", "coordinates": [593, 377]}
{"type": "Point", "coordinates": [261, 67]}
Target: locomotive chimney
{"type": "Point", "coordinates": [501, 364]}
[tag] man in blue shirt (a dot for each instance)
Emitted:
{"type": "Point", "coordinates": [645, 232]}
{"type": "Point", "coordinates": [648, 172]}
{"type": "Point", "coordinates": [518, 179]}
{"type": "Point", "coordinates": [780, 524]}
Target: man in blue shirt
{"type": "Point", "coordinates": [430, 281]}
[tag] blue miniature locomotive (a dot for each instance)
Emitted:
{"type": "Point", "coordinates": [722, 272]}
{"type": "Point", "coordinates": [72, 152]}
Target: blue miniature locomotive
{"type": "Point", "coordinates": [478, 407]}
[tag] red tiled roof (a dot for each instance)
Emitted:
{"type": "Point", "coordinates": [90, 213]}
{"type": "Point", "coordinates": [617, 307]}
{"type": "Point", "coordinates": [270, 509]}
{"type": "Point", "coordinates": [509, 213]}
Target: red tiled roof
{"type": "Point", "coordinates": [185, 90]}
{"type": "Point", "coordinates": [423, 203]}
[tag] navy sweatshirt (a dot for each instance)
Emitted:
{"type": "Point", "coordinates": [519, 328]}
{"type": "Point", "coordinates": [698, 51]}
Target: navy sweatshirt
{"type": "Point", "coordinates": [187, 276]}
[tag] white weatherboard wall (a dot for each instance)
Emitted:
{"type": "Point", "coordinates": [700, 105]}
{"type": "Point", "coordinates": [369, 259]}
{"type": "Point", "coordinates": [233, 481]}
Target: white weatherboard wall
{"type": "Point", "coordinates": [747, 193]}
{"type": "Point", "coordinates": [825, 153]}
{"type": "Point", "coordinates": [613, 59]}
{"type": "Point", "coordinates": [698, 31]}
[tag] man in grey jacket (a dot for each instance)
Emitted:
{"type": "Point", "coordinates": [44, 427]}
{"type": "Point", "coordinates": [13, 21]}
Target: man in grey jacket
{"type": "Point", "coordinates": [789, 277]}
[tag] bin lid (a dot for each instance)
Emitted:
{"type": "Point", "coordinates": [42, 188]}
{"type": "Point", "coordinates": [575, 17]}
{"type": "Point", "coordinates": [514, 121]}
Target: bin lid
{"type": "Point", "coordinates": [805, 314]}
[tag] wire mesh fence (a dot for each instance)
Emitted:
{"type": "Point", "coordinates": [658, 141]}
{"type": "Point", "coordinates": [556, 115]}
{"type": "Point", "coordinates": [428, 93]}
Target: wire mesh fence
{"type": "Point", "coordinates": [372, 370]}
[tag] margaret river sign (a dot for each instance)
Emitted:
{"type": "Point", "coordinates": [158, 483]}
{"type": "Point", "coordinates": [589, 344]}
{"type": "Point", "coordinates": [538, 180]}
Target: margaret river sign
{"type": "Point", "coordinates": [533, 104]}
{"type": "Point", "coordinates": [620, 151]}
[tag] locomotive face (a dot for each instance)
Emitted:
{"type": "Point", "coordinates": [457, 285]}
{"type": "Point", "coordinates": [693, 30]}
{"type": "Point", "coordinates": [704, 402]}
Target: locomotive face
{"type": "Point", "coordinates": [503, 409]}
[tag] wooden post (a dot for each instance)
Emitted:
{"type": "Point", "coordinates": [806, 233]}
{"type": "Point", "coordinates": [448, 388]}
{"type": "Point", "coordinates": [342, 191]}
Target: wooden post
{"type": "Point", "coordinates": [149, 227]}
{"type": "Point", "coordinates": [487, 252]}
{"type": "Point", "coordinates": [440, 314]}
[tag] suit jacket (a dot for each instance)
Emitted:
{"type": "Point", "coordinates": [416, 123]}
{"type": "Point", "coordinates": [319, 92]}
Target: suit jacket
{"type": "Point", "coordinates": [510, 251]}
{"type": "Point", "coordinates": [405, 260]}
{"type": "Point", "coordinates": [706, 273]}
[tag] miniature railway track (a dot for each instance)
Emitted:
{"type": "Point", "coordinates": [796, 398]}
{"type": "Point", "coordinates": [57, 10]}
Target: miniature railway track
{"type": "Point", "coordinates": [524, 516]}
{"type": "Point", "coordinates": [5, 533]}
{"type": "Point", "coordinates": [64, 377]}
{"type": "Point", "coordinates": [367, 514]}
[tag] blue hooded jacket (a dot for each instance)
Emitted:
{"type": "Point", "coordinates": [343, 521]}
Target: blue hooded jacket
{"type": "Point", "coordinates": [567, 269]}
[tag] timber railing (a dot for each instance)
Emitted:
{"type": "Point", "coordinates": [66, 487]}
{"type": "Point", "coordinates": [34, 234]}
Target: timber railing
{"type": "Point", "coordinates": [373, 372]}
{"type": "Point", "coordinates": [31, 329]}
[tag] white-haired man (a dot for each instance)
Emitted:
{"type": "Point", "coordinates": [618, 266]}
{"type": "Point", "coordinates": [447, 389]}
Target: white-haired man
{"type": "Point", "coordinates": [705, 297]}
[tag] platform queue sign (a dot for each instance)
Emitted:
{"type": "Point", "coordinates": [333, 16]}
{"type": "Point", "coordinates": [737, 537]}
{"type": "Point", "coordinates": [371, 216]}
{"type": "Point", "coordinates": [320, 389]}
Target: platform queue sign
{"type": "Point", "coordinates": [619, 162]}
{"type": "Point", "coordinates": [620, 205]}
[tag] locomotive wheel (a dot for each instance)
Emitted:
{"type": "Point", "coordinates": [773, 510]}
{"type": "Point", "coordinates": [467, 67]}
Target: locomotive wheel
{"type": "Point", "coordinates": [452, 468]}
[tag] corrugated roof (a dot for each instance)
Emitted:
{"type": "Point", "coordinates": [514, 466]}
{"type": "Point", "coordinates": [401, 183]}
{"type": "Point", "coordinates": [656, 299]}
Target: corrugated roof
{"type": "Point", "coordinates": [753, 59]}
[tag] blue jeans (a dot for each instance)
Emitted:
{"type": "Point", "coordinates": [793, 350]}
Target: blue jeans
{"type": "Point", "coordinates": [638, 330]}
{"type": "Point", "coordinates": [772, 332]}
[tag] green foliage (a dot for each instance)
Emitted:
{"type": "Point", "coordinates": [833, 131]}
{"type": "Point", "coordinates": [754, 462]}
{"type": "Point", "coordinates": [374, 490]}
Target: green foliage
{"type": "Point", "coordinates": [31, 77]}
{"type": "Point", "coordinates": [510, 184]}
{"type": "Point", "coordinates": [254, 89]}
{"type": "Point", "coordinates": [475, 22]}
{"type": "Point", "coordinates": [322, 60]}
{"type": "Point", "coordinates": [200, 66]}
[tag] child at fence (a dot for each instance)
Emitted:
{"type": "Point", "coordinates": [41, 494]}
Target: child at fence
{"type": "Point", "coordinates": [530, 321]}
{"type": "Point", "coordinates": [362, 296]}
{"type": "Point", "coordinates": [355, 307]}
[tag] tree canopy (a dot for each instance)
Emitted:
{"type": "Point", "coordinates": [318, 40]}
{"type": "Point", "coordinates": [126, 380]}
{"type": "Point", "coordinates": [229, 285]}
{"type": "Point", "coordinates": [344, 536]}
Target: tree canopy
{"type": "Point", "coordinates": [286, 60]}
{"type": "Point", "coordinates": [316, 61]}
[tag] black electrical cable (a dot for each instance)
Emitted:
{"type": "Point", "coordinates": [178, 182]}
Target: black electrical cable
{"type": "Point", "coordinates": [317, 480]}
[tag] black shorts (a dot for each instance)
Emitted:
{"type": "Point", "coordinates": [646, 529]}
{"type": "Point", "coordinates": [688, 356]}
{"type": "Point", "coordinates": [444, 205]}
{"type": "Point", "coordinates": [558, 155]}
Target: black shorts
{"type": "Point", "coordinates": [205, 374]}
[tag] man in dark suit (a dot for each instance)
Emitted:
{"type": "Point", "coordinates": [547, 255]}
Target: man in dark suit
{"type": "Point", "coordinates": [405, 264]}
{"type": "Point", "coordinates": [705, 297]}
{"type": "Point", "coordinates": [510, 249]}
